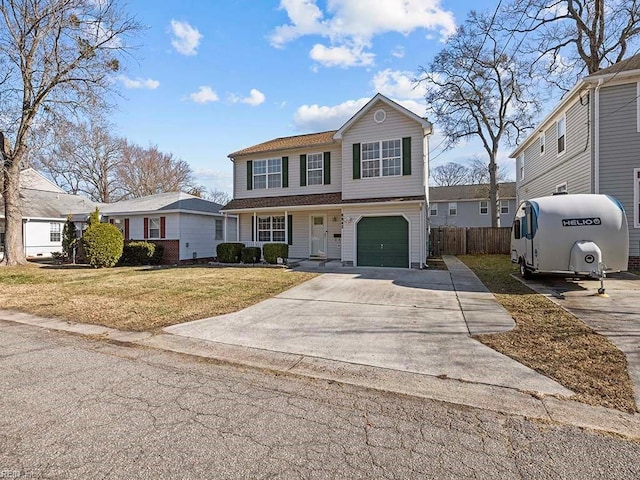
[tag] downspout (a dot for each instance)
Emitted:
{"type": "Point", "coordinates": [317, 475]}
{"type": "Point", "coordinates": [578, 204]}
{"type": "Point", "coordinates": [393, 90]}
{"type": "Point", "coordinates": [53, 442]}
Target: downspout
{"type": "Point", "coordinates": [596, 139]}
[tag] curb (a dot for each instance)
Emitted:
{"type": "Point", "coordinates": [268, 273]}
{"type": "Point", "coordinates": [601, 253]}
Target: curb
{"type": "Point", "coordinates": [502, 400]}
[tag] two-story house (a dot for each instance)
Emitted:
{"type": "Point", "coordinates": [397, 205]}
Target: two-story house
{"type": "Point", "coordinates": [590, 143]}
{"type": "Point", "coordinates": [468, 205]}
{"type": "Point", "coordinates": [357, 194]}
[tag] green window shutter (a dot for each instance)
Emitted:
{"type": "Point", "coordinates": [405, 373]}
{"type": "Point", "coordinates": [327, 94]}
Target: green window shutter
{"type": "Point", "coordinates": [303, 170]}
{"type": "Point", "coordinates": [406, 156]}
{"type": "Point", "coordinates": [290, 229]}
{"type": "Point", "coordinates": [356, 161]}
{"type": "Point", "coordinates": [285, 172]}
{"type": "Point", "coordinates": [249, 175]}
{"type": "Point", "coordinates": [253, 229]}
{"type": "Point", "coordinates": [327, 168]}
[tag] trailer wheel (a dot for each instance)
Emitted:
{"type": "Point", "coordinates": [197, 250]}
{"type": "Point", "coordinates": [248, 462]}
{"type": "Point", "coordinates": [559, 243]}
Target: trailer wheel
{"type": "Point", "coordinates": [525, 271]}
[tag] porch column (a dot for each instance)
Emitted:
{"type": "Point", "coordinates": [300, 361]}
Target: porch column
{"type": "Point", "coordinates": [255, 227]}
{"type": "Point", "coordinates": [286, 227]}
{"type": "Point", "coordinates": [224, 227]}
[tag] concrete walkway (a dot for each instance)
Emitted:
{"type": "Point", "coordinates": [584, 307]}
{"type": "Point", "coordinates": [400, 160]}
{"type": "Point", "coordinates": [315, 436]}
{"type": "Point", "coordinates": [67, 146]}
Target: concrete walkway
{"type": "Point", "coordinates": [398, 319]}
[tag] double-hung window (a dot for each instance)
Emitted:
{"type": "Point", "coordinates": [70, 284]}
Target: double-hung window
{"type": "Point", "coordinates": [271, 229]}
{"type": "Point", "coordinates": [562, 134]}
{"type": "Point", "coordinates": [453, 209]}
{"type": "Point", "coordinates": [542, 143]}
{"type": "Point", "coordinates": [315, 174]}
{"type": "Point", "coordinates": [267, 173]}
{"type": "Point", "coordinates": [433, 209]}
{"type": "Point", "coordinates": [54, 232]}
{"type": "Point", "coordinates": [484, 207]}
{"type": "Point", "coordinates": [154, 227]}
{"type": "Point", "coordinates": [504, 207]}
{"type": "Point", "coordinates": [219, 235]}
{"type": "Point", "coordinates": [382, 159]}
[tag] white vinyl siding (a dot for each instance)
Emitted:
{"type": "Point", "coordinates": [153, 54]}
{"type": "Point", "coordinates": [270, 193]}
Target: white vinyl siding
{"type": "Point", "coordinates": [484, 207]}
{"type": "Point", "coordinates": [453, 209]}
{"type": "Point", "coordinates": [315, 165]}
{"type": "Point", "coordinates": [562, 135]}
{"type": "Point", "coordinates": [365, 130]}
{"type": "Point", "coordinates": [636, 198]}
{"type": "Point", "coordinates": [267, 173]}
{"type": "Point", "coordinates": [433, 210]}
{"type": "Point", "coordinates": [542, 143]}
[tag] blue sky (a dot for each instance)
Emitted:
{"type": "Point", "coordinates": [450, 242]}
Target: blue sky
{"type": "Point", "coordinates": [211, 77]}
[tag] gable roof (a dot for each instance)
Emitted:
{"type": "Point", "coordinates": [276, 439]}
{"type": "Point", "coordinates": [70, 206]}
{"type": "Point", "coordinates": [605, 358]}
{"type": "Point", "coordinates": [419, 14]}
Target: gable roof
{"type": "Point", "coordinates": [627, 65]}
{"type": "Point", "coordinates": [34, 180]}
{"type": "Point", "coordinates": [50, 205]}
{"type": "Point", "coordinates": [470, 192]}
{"type": "Point", "coordinates": [284, 143]}
{"type": "Point", "coordinates": [390, 103]}
{"type": "Point", "coordinates": [160, 202]}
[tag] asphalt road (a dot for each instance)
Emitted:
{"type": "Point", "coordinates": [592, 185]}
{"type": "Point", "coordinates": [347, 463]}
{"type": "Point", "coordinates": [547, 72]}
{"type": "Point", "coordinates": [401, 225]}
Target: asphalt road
{"type": "Point", "coordinates": [72, 407]}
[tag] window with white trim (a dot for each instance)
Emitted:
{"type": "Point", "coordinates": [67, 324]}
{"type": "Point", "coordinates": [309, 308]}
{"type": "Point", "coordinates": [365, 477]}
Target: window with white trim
{"type": "Point", "coordinates": [453, 209]}
{"type": "Point", "coordinates": [484, 207]}
{"type": "Point", "coordinates": [54, 232]}
{"type": "Point", "coordinates": [542, 142]}
{"type": "Point", "coordinates": [382, 159]}
{"type": "Point", "coordinates": [219, 235]}
{"type": "Point", "coordinates": [504, 207]}
{"type": "Point", "coordinates": [267, 173]}
{"type": "Point", "coordinates": [271, 229]}
{"type": "Point", "coordinates": [315, 165]}
{"type": "Point", "coordinates": [521, 165]}
{"type": "Point", "coordinates": [433, 209]}
{"type": "Point", "coordinates": [562, 135]}
{"type": "Point", "coordinates": [562, 188]}
{"type": "Point", "coordinates": [636, 197]}
{"type": "Point", "coordinates": [154, 227]}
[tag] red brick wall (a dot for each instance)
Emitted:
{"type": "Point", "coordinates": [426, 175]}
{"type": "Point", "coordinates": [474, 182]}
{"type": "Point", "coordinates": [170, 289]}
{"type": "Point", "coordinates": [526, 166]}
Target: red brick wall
{"type": "Point", "coordinates": [171, 250]}
{"type": "Point", "coordinates": [634, 263]}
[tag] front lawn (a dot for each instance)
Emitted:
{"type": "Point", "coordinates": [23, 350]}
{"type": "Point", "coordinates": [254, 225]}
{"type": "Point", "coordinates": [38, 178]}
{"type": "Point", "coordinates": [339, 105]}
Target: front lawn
{"type": "Point", "coordinates": [553, 342]}
{"type": "Point", "coordinates": [139, 298]}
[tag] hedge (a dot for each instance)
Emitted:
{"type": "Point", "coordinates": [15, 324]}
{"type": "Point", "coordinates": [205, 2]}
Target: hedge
{"type": "Point", "coordinates": [102, 244]}
{"type": "Point", "coordinates": [251, 254]}
{"type": "Point", "coordinates": [274, 250]}
{"type": "Point", "coordinates": [142, 253]}
{"type": "Point", "coordinates": [229, 252]}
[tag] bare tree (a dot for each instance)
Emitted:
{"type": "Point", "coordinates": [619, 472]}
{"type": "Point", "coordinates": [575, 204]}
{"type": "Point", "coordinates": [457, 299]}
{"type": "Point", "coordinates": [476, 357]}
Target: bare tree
{"type": "Point", "coordinates": [56, 54]}
{"type": "Point", "coordinates": [146, 171]}
{"type": "Point", "coordinates": [569, 38]}
{"type": "Point", "coordinates": [83, 158]}
{"type": "Point", "coordinates": [450, 174]}
{"type": "Point", "coordinates": [479, 173]}
{"type": "Point", "coordinates": [476, 88]}
{"type": "Point", "coordinates": [218, 196]}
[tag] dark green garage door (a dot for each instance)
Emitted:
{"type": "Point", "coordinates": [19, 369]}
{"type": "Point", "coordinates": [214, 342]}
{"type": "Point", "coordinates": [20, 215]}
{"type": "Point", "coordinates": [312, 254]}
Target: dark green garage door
{"type": "Point", "coordinates": [383, 242]}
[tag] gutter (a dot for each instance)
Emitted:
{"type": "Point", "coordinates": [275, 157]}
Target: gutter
{"type": "Point", "coordinates": [596, 139]}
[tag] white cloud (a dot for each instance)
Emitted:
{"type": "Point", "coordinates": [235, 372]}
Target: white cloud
{"type": "Point", "coordinates": [398, 84]}
{"type": "Point", "coordinates": [255, 98]}
{"type": "Point", "coordinates": [342, 56]}
{"type": "Point", "coordinates": [353, 23]}
{"type": "Point", "coordinates": [138, 82]}
{"type": "Point", "coordinates": [398, 52]}
{"type": "Point", "coordinates": [204, 94]}
{"type": "Point", "coordinates": [211, 178]}
{"type": "Point", "coordinates": [185, 37]}
{"type": "Point", "coordinates": [318, 118]}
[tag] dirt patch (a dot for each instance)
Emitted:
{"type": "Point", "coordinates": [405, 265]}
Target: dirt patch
{"type": "Point", "coordinates": [139, 298]}
{"type": "Point", "coordinates": [436, 263]}
{"type": "Point", "coordinates": [552, 341]}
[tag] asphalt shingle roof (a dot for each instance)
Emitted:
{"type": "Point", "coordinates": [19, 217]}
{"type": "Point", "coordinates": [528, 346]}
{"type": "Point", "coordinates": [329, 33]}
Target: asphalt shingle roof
{"type": "Point", "coordinates": [160, 202]}
{"type": "Point", "coordinates": [470, 192]}
{"type": "Point", "coordinates": [631, 63]}
{"type": "Point", "coordinates": [307, 200]}
{"type": "Point", "coordinates": [283, 143]}
{"type": "Point", "coordinates": [46, 204]}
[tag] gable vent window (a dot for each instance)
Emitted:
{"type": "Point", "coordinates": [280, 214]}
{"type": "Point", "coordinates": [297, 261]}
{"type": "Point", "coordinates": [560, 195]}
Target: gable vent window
{"type": "Point", "coordinates": [379, 116]}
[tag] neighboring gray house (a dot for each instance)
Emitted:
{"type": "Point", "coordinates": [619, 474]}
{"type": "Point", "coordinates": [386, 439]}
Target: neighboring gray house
{"type": "Point", "coordinates": [590, 143]}
{"type": "Point", "coordinates": [468, 205]}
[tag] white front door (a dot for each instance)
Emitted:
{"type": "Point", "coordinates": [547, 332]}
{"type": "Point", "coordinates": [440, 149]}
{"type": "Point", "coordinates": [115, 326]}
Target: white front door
{"type": "Point", "coordinates": [318, 236]}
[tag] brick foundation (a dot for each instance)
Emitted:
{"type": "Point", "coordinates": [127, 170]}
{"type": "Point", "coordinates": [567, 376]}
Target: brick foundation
{"type": "Point", "coordinates": [634, 263]}
{"type": "Point", "coordinates": [171, 254]}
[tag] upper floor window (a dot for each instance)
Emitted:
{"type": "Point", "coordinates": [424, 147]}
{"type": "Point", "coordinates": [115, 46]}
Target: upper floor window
{"type": "Point", "coordinates": [636, 197]}
{"type": "Point", "coordinates": [433, 209]}
{"type": "Point", "coordinates": [315, 174]}
{"type": "Point", "coordinates": [562, 133]}
{"type": "Point", "coordinates": [484, 207]}
{"type": "Point", "coordinates": [542, 141]}
{"type": "Point", "coordinates": [271, 229]}
{"type": "Point", "coordinates": [504, 207]}
{"type": "Point", "coordinates": [154, 227]}
{"type": "Point", "coordinates": [562, 188]}
{"type": "Point", "coordinates": [521, 165]}
{"type": "Point", "coordinates": [453, 209]}
{"type": "Point", "coordinates": [54, 232]}
{"type": "Point", "coordinates": [267, 173]}
{"type": "Point", "coordinates": [382, 158]}
{"type": "Point", "coordinates": [219, 235]}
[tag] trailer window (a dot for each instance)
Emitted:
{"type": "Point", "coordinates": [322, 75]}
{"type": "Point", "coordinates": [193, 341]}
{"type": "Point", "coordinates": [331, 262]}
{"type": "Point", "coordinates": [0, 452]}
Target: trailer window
{"type": "Point", "coordinates": [516, 229]}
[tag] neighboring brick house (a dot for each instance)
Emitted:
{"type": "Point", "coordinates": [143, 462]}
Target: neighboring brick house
{"type": "Point", "coordinates": [357, 194]}
{"type": "Point", "coordinates": [590, 143]}
{"type": "Point", "coordinates": [468, 205]}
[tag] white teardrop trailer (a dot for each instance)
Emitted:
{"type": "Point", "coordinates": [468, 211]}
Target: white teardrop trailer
{"type": "Point", "coordinates": [581, 235]}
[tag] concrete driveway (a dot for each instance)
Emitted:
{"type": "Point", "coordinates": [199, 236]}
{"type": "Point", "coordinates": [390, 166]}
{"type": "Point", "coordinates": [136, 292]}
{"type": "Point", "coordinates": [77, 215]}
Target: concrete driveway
{"type": "Point", "coordinates": [616, 315]}
{"type": "Point", "coordinates": [398, 319]}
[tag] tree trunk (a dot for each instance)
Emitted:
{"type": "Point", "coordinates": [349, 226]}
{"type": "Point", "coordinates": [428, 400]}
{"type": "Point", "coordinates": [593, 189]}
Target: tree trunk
{"type": "Point", "coordinates": [13, 244]}
{"type": "Point", "coordinates": [493, 190]}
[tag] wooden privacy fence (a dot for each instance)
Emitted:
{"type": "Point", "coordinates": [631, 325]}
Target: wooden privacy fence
{"type": "Point", "coordinates": [469, 240]}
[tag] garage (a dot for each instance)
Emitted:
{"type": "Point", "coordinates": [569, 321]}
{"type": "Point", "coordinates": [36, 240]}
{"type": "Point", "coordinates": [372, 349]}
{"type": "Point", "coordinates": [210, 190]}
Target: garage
{"type": "Point", "coordinates": [383, 242]}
